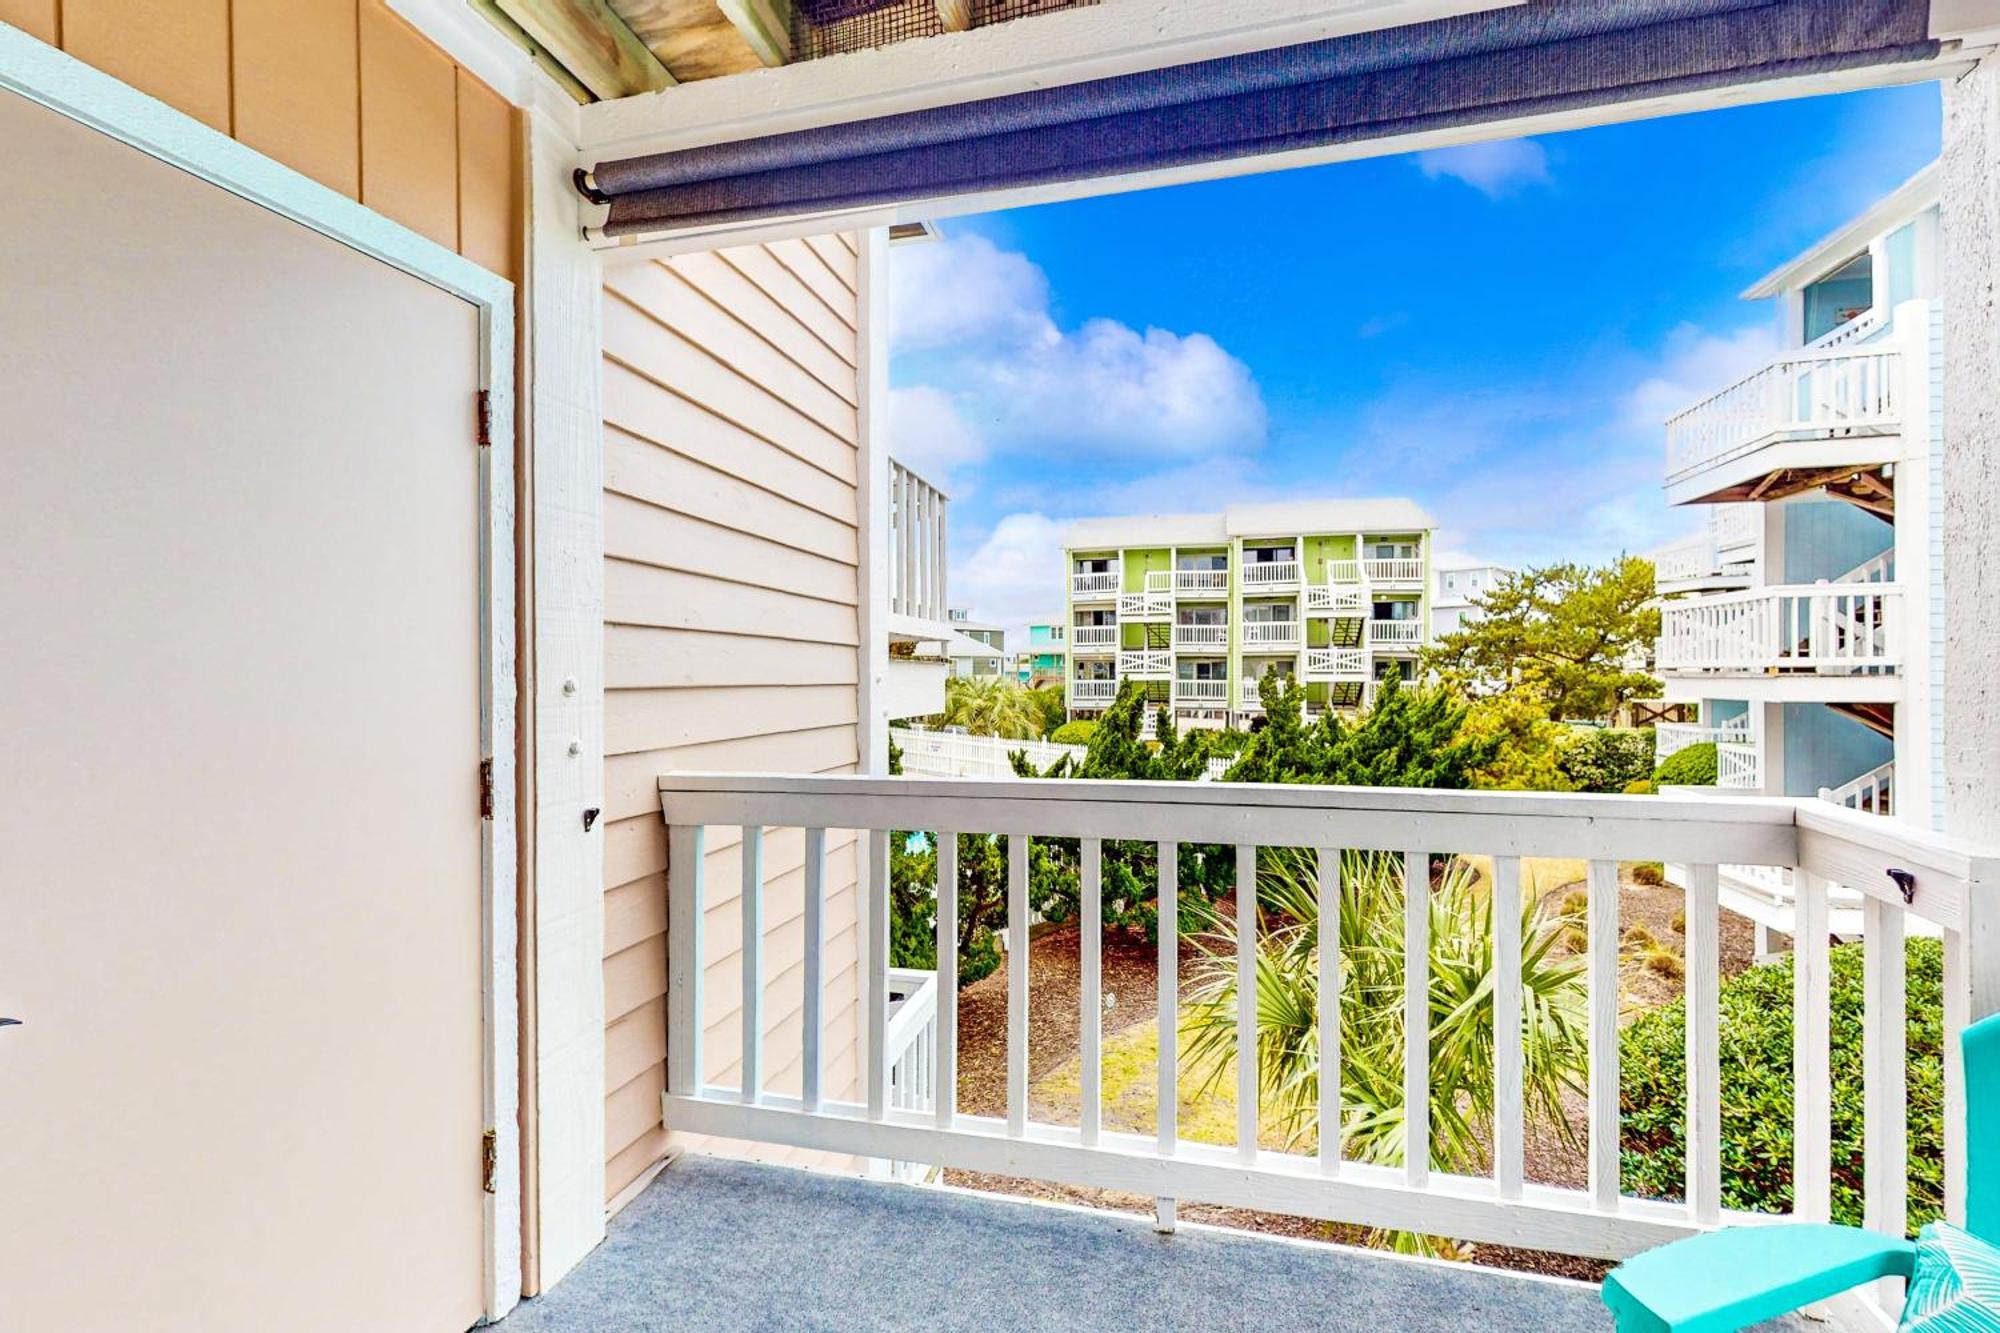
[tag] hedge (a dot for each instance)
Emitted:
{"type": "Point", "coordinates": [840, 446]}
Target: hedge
{"type": "Point", "coordinates": [1076, 732]}
{"type": "Point", "coordinates": [1757, 1090]}
{"type": "Point", "coordinates": [1607, 759]}
{"type": "Point", "coordinates": [1690, 766]}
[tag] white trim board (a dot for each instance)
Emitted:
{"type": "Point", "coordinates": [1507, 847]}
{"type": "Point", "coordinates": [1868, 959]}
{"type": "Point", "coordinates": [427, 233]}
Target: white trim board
{"type": "Point", "coordinates": [66, 85]}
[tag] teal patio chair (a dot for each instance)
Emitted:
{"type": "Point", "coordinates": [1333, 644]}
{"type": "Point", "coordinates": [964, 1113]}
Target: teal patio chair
{"type": "Point", "coordinates": [1727, 1279]}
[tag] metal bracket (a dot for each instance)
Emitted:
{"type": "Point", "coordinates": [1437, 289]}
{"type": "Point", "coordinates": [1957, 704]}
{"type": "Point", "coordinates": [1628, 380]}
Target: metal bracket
{"type": "Point", "coordinates": [1906, 883]}
{"type": "Point", "coordinates": [590, 817]}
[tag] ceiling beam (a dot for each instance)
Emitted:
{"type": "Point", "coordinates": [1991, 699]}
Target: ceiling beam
{"type": "Point", "coordinates": [765, 24]}
{"type": "Point", "coordinates": [593, 44]}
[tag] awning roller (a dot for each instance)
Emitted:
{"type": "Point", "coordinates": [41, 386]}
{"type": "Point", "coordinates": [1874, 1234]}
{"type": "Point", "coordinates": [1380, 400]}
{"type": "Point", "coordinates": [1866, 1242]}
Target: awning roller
{"type": "Point", "coordinates": [1544, 56]}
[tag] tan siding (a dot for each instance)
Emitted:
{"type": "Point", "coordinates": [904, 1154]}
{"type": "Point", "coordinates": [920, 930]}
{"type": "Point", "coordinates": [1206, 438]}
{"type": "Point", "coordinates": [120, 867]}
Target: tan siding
{"type": "Point", "coordinates": [175, 50]}
{"type": "Point", "coordinates": [342, 91]}
{"type": "Point", "coordinates": [409, 136]}
{"type": "Point", "coordinates": [731, 640]}
{"type": "Point", "coordinates": [297, 84]}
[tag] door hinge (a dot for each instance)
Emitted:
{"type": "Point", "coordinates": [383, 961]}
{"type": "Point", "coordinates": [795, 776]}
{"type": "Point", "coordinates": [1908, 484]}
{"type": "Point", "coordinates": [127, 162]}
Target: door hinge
{"type": "Point", "coordinates": [486, 789]}
{"type": "Point", "coordinates": [489, 1159]}
{"type": "Point", "coordinates": [485, 418]}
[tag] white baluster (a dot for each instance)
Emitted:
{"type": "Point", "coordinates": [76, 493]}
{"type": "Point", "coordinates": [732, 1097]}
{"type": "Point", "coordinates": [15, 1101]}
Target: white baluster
{"type": "Point", "coordinates": [1090, 1000]}
{"type": "Point", "coordinates": [1885, 1125]}
{"type": "Point", "coordinates": [1508, 1111]}
{"type": "Point", "coordinates": [1603, 900]}
{"type": "Point", "coordinates": [753, 962]}
{"type": "Point", "coordinates": [877, 887]}
{"type": "Point", "coordinates": [1704, 1060]}
{"type": "Point", "coordinates": [812, 1020]}
{"type": "Point", "coordinates": [1017, 984]}
{"type": "Point", "coordinates": [946, 1101]}
{"type": "Point", "coordinates": [1812, 1091]}
{"type": "Point", "coordinates": [686, 850]}
{"type": "Point", "coordinates": [1168, 1008]}
{"type": "Point", "coordinates": [1416, 1018]}
{"type": "Point", "coordinates": [1330, 1119]}
{"type": "Point", "coordinates": [1246, 1002]}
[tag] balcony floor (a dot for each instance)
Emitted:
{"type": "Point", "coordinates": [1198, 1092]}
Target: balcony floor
{"type": "Point", "coordinates": [720, 1245]}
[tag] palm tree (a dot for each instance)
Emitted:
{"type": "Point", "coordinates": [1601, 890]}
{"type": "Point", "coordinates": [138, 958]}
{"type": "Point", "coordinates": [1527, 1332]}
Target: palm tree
{"type": "Point", "coordinates": [991, 706]}
{"type": "Point", "coordinates": [1554, 1049]}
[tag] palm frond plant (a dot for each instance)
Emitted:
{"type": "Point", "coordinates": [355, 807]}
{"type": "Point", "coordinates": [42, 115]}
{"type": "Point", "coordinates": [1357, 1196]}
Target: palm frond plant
{"type": "Point", "coordinates": [1554, 1027]}
{"type": "Point", "coordinates": [991, 706]}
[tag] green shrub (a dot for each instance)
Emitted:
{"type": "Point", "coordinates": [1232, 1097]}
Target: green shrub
{"type": "Point", "coordinates": [1691, 766]}
{"type": "Point", "coordinates": [1757, 1090]}
{"type": "Point", "coordinates": [1649, 872]}
{"type": "Point", "coordinates": [1640, 787]}
{"type": "Point", "coordinates": [1607, 759]}
{"type": "Point", "coordinates": [1074, 733]}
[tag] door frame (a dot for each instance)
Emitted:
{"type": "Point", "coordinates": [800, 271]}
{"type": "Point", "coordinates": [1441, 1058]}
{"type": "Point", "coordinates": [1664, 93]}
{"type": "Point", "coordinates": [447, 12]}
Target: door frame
{"type": "Point", "coordinates": [47, 76]}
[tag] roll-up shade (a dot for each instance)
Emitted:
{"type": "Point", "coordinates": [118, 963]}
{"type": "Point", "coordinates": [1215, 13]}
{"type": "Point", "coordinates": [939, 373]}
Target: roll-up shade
{"type": "Point", "coordinates": [1543, 56]}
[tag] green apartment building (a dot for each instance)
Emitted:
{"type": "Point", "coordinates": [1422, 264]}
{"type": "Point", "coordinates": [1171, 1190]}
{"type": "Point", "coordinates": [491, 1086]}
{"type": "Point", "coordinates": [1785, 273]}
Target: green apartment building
{"type": "Point", "coordinates": [1334, 593]}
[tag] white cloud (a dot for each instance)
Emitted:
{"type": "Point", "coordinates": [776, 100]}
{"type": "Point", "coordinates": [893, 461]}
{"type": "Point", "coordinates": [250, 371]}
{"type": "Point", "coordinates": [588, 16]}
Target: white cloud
{"type": "Point", "coordinates": [1694, 364]}
{"type": "Point", "coordinates": [1107, 384]}
{"type": "Point", "coordinates": [927, 435]}
{"type": "Point", "coordinates": [1496, 168]}
{"type": "Point", "coordinates": [1015, 575]}
{"type": "Point", "coordinates": [966, 290]}
{"type": "Point", "coordinates": [972, 323]}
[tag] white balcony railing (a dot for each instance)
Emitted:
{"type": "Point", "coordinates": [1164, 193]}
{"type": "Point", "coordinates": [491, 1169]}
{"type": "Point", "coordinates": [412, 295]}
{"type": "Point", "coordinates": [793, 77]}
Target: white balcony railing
{"type": "Point", "coordinates": [1092, 693]}
{"type": "Point", "coordinates": [1396, 633]}
{"type": "Point", "coordinates": [1872, 791]}
{"type": "Point", "coordinates": [1826, 628]}
{"type": "Point", "coordinates": [1270, 574]}
{"type": "Point", "coordinates": [917, 563]}
{"type": "Point", "coordinates": [1337, 663]}
{"type": "Point", "coordinates": [1146, 663]}
{"type": "Point", "coordinates": [1201, 582]}
{"type": "Point", "coordinates": [1084, 638]}
{"type": "Point", "coordinates": [1251, 690]}
{"type": "Point", "coordinates": [1739, 528]}
{"type": "Point", "coordinates": [1850, 388]}
{"type": "Point", "coordinates": [1200, 637]}
{"type": "Point", "coordinates": [1343, 572]}
{"type": "Point", "coordinates": [1739, 766]}
{"type": "Point", "coordinates": [1146, 605]}
{"type": "Point", "coordinates": [910, 1050]}
{"type": "Point", "coordinates": [1400, 570]}
{"type": "Point", "coordinates": [1820, 845]}
{"type": "Point", "coordinates": [1094, 585]}
{"type": "Point", "coordinates": [1671, 738]}
{"type": "Point", "coordinates": [1334, 599]}
{"type": "Point", "coordinates": [1201, 691]}
{"type": "Point", "coordinates": [1271, 633]}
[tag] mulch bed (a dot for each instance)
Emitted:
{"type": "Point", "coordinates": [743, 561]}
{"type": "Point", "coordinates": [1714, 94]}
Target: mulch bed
{"type": "Point", "coordinates": [1130, 989]}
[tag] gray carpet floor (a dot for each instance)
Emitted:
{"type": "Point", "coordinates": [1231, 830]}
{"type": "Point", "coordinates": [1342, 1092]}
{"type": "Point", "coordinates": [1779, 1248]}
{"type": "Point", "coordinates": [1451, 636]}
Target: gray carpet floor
{"type": "Point", "coordinates": [715, 1245]}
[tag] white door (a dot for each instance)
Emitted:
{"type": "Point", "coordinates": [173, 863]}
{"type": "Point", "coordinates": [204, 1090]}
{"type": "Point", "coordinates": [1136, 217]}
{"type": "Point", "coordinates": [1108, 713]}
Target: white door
{"type": "Point", "coordinates": [239, 741]}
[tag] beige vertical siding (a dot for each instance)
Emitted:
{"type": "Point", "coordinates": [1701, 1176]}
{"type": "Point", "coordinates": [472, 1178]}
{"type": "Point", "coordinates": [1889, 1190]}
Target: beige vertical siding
{"type": "Point", "coordinates": [730, 638]}
{"type": "Point", "coordinates": [342, 91]}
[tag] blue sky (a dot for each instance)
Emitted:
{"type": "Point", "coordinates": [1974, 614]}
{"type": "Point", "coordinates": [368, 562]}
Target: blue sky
{"type": "Point", "coordinates": [1495, 331]}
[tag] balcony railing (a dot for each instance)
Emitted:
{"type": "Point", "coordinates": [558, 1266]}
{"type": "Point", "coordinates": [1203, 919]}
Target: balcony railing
{"type": "Point", "coordinates": [1396, 633]}
{"type": "Point", "coordinates": [1084, 584]}
{"type": "Point", "coordinates": [1333, 599]}
{"type": "Point", "coordinates": [917, 563]}
{"type": "Point", "coordinates": [1400, 570]}
{"type": "Point", "coordinates": [1093, 692]}
{"type": "Point", "coordinates": [1671, 738]}
{"type": "Point", "coordinates": [1250, 692]}
{"type": "Point", "coordinates": [1270, 574]}
{"type": "Point", "coordinates": [1739, 766]}
{"type": "Point", "coordinates": [1826, 628]}
{"type": "Point", "coordinates": [1201, 582]}
{"type": "Point", "coordinates": [1201, 691]}
{"type": "Point", "coordinates": [1199, 637]}
{"type": "Point", "coordinates": [1871, 792]}
{"type": "Point", "coordinates": [1271, 633]}
{"type": "Point", "coordinates": [1146, 663]}
{"type": "Point", "coordinates": [1147, 605]}
{"type": "Point", "coordinates": [1850, 388]}
{"type": "Point", "coordinates": [1337, 663]}
{"type": "Point", "coordinates": [1817, 843]}
{"type": "Point", "coordinates": [1083, 638]}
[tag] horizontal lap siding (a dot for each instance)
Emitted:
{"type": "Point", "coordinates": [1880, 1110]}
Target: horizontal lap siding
{"type": "Point", "coordinates": [731, 640]}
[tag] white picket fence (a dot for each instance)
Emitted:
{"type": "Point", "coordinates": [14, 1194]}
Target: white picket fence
{"type": "Point", "coordinates": [947, 754]}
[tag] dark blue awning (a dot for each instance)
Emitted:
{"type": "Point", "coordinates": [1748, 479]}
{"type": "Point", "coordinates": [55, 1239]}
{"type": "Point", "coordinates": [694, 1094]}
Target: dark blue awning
{"type": "Point", "coordinates": [1543, 56]}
